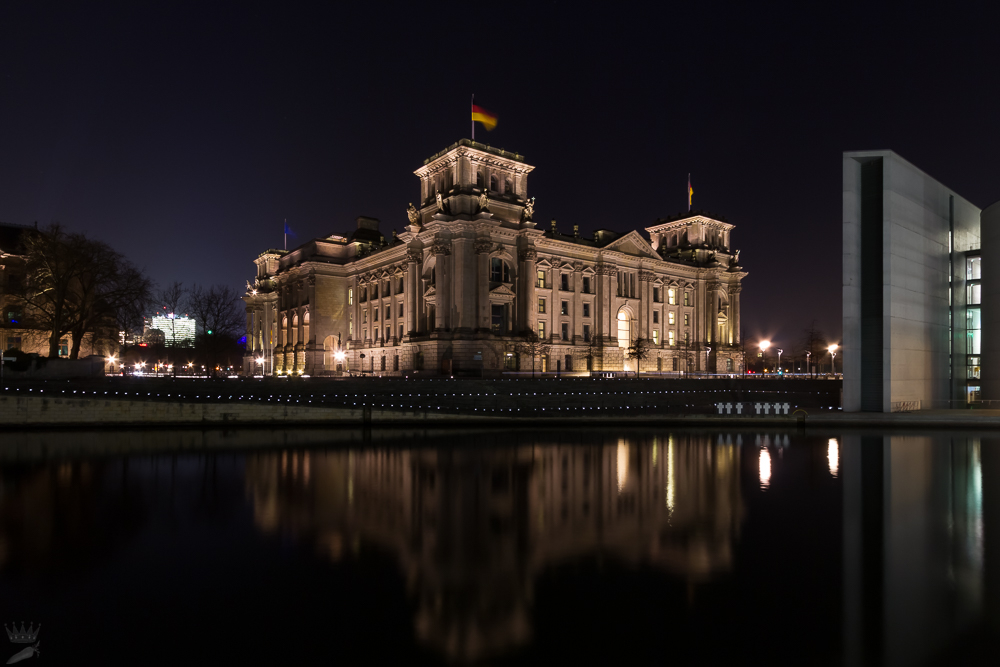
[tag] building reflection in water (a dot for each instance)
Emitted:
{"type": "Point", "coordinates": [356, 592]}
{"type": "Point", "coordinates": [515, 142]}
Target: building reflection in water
{"type": "Point", "coordinates": [473, 529]}
{"type": "Point", "coordinates": [913, 545]}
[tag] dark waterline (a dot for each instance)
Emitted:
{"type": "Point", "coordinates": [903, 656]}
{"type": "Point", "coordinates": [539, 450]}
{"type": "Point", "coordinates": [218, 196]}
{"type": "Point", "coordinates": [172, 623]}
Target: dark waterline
{"type": "Point", "coordinates": [632, 546]}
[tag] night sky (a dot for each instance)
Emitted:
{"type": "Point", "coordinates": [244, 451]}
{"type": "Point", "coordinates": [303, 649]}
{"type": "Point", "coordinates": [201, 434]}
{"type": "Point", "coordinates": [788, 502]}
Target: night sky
{"type": "Point", "coordinates": [184, 135]}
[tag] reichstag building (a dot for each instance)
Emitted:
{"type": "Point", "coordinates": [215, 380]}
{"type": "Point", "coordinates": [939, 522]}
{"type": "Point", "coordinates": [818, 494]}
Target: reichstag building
{"type": "Point", "coordinates": [474, 286]}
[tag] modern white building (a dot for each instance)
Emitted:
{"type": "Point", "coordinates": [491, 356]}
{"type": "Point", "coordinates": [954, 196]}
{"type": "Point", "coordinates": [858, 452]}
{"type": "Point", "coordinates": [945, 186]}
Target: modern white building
{"type": "Point", "coordinates": [177, 331]}
{"type": "Point", "coordinates": [911, 288]}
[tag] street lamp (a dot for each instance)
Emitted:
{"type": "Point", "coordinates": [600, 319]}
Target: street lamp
{"type": "Point", "coordinates": [764, 344]}
{"type": "Point", "coordinates": [779, 360]}
{"type": "Point", "coordinates": [808, 354]}
{"type": "Point", "coordinates": [833, 358]}
{"type": "Point", "coordinates": [260, 362]}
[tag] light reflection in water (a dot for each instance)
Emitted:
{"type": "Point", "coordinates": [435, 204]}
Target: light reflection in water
{"type": "Point", "coordinates": [833, 456]}
{"type": "Point", "coordinates": [622, 464]}
{"type": "Point", "coordinates": [765, 468]}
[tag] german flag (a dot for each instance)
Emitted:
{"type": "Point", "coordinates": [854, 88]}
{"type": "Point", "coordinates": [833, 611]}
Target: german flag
{"type": "Point", "coordinates": [488, 119]}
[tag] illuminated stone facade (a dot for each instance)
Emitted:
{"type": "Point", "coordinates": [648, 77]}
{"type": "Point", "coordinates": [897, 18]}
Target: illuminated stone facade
{"type": "Point", "coordinates": [471, 276]}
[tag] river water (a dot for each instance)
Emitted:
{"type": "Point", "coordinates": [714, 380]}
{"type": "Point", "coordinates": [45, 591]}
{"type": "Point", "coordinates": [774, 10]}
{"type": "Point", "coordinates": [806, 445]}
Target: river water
{"type": "Point", "coordinates": [632, 546]}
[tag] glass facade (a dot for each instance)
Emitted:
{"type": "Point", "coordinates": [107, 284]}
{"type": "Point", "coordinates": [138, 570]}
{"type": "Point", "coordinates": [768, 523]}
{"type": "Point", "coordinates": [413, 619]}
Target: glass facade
{"type": "Point", "coordinates": [973, 326]}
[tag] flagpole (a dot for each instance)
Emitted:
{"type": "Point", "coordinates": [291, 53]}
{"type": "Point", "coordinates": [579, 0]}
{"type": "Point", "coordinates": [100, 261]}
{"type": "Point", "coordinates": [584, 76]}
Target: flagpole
{"type": "Point", "coordinates": [286, 228]}
{"type": "Point", "coordinates": [470, 115]}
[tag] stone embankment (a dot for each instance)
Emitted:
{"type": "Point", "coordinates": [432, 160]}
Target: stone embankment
{"type": "Point", "coordinates": [374, 402]}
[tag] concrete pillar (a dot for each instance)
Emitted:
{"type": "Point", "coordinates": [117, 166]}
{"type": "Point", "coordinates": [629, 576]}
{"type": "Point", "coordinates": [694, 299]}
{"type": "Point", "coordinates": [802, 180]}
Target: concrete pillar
{"type": "Point", "coordinates": [463, 286]}
{"type": "Point", "coordinates": [482, 248]}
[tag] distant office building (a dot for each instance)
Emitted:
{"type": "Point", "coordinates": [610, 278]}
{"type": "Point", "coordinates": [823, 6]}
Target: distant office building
{"type": "Point", "coordinates": [912, 289]}
{"type": "Point", "coordinates": [177, 331]}
{"type": "Point", "coordinates": [471, 281]}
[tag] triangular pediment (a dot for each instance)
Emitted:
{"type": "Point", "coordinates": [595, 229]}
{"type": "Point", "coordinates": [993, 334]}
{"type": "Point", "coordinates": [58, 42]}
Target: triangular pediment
{"type": "Point", "coordinates": [430, 291]}
{"type": "Point", "coordinates": [633, 244]}
{"type": "Point", "coordinates": [502, 290]}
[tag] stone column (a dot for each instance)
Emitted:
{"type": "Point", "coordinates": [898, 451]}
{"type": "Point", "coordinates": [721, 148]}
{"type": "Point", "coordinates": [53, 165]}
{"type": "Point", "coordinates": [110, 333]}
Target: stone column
{"type": "Point", "coordinates": [576, 305]}
{"type": "Point", "coordinates": [463, 287]}
{"type": "Point", "coordinates": [604, 318]}
{"type": "Point", "coordinates": [734, 312]}
{"type": "Point", "coordinates": [527, 295]}
{"type": "Point", "coordinates": [483, 314]}
{"type": "Point", "coordinates": [645, 305]}
{"type": "Point", "coordinates": [412, 282]}
{"type": "Point", "coordinates": [441, 287]}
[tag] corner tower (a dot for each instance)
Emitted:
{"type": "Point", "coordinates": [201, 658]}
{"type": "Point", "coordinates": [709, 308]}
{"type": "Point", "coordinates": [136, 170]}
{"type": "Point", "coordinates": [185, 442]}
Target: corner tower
{"type": "Point", "coordinates": [465, 171]}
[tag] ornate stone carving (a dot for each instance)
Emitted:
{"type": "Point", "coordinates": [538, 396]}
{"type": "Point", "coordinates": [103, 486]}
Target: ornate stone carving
{"type": "Point", "coordinates": [646, 276]}
{"type": "Point", "coordinates": [414, 256]}
{"type": "Point", "coordinates": [528, 255]}
{"type": "Point", "coordinates": [483, 246]}
{"type": "Point", "coordinates": [529, 210]}
{"type": "Point", "coordinates": [484, 202]}
{"type": "Point", "coordinates": [606, 270]}
{"type": "Point", "coordinates": [311, 281]}
{"type": "Point", "coordinates": [413, 214]}
{"type": "Point", "coordinates": [440, 202]}
{"type": "Point", "coordinates": [442, 248]}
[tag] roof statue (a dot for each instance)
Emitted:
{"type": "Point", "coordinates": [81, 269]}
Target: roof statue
{"type": "Point", "coordinates": [484, 202]}
{"type": "Point", "coordinates": [529, 210]}
{"type": "Point", "coordinates": [413, 214]}
{"type": "Point", "coordinates": [440, 201]}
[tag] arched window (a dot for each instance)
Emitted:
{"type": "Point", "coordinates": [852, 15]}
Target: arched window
{"type": "Point", "coordinates": [494, 183]}
{"type": "Point", "coordinates": [479, 180]}
{"type": "Point", "coordinates": [499, 271]}
{"type": "Point", "coordinates": [508, 187]}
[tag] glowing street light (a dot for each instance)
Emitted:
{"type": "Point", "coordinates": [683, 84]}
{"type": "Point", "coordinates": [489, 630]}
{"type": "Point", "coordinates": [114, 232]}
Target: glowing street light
{"type": "Point", "coordinates": [833, 358]}
{"type": "Point", "coordinates": [764, 344]}
{"type": "Point", "coordinates": [779, 359]}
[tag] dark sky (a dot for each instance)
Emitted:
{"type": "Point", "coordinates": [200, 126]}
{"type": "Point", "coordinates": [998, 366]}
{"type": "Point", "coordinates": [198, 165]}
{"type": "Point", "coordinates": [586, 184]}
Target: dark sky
{"type": "Point", "coordinates": [184, 135]}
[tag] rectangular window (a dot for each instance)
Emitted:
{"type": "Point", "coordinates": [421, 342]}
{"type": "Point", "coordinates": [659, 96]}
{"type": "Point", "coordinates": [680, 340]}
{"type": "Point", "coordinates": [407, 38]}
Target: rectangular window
{"type": "Point", "coordinates": [974, 294]}
{"type": "Point", "coordinates": [564, 308]}
{"type": "Point", "coordinates": [687, 300]}
{"type": "Point", "coordinates": [497, 318]}
{"type": "Point", "coordinates": [541, 305]}
{"type": "Point", "coordinates": [350, 297]}
{"type": "Point", "coordinates": [350, 329]}
{"type": "Point", "coordinates": [656, 336]}
{"type": "Point", "coordinates": [675, 363]}
{"type": "Point", "coordinates": [399, 309]}
{"type": "Point", "coordinates": [586, 310]}
{"type": "Point", "coordinates": [541, 330]}
{"type": "Point", "coordinates": [670, 337]}
{"type": "Point", "coordinates": [687, 337]}
{"type": "Point", "coordinates": [375, 291]}
{"type": "Point", "coordinates": [687, 319]}
{"type": "Point", "coordinates": [400, 334]}
{"type": "Point", "coordinates": [14, 343]}
{"type": "Point", "coordinates": [656, 317]}
{"type": "Point", "coordinates": [388, 312]}
{"type": "Point", "coordinates": [364, 317]}
{"type": "Point", "coordinates": [399, 286]}
{"type": "Point", "coordinates": [672, 297]}
{"type": "Point", "coordinates": [671, 317]}
{"type": "Point", "coordinates": [586, 333]}
{"type": "Point", "coordinates": [364, 333]}
{"type": "Point", "coordinates": [565, 331]}
{"type": "Point", "coordinates": [388, 333]}
{"type": "Point", "coordinates": [586, 284]}
{"type": "Point", "coordinates": [656, 295]}
{"type": "Point", "coordinates": [375, 314]}
{"type": "Point", "coordinates": [973, 269]}
{"type": "Point", "coordinates": [541, 279]}
{"type": "Point", "coordinates": [565, 282]}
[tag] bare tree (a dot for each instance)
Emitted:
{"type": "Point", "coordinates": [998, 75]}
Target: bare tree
{"type": "Point", "coordinates": [171, 300]}
{"type": "Point", "coordinates": [813, 346]}
{"type": "Point", "coordinates": [220, 315]}
{"type": "Point", "coordinates": [532, 346]}
{"type": "Point", "coordinates": [638, 351]}
{"type": "Point", "coordinates": [78, 286]}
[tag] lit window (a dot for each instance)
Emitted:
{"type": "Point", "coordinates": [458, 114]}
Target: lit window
{"type": "Point", "coordinates": [687, 301]}
{"type": "Point", "coordinates": [687, 319]}
{"type": "Point", "coordinates": [541, 305]}
{"type": "Point", "coordinates": [541, 279]}
{"type": "Point", "coordinates": [656, 336]}
{"type": "Point", "coordinates": [670, 338]}
{"type": "Point", "coordinates": [541, 330]}
{"type": "Point", "coordinates": [671, 296]}
{"type": "Point", "coordinates": [350, 297]}
{"type": "Point", "coordinates": [671, 317]}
